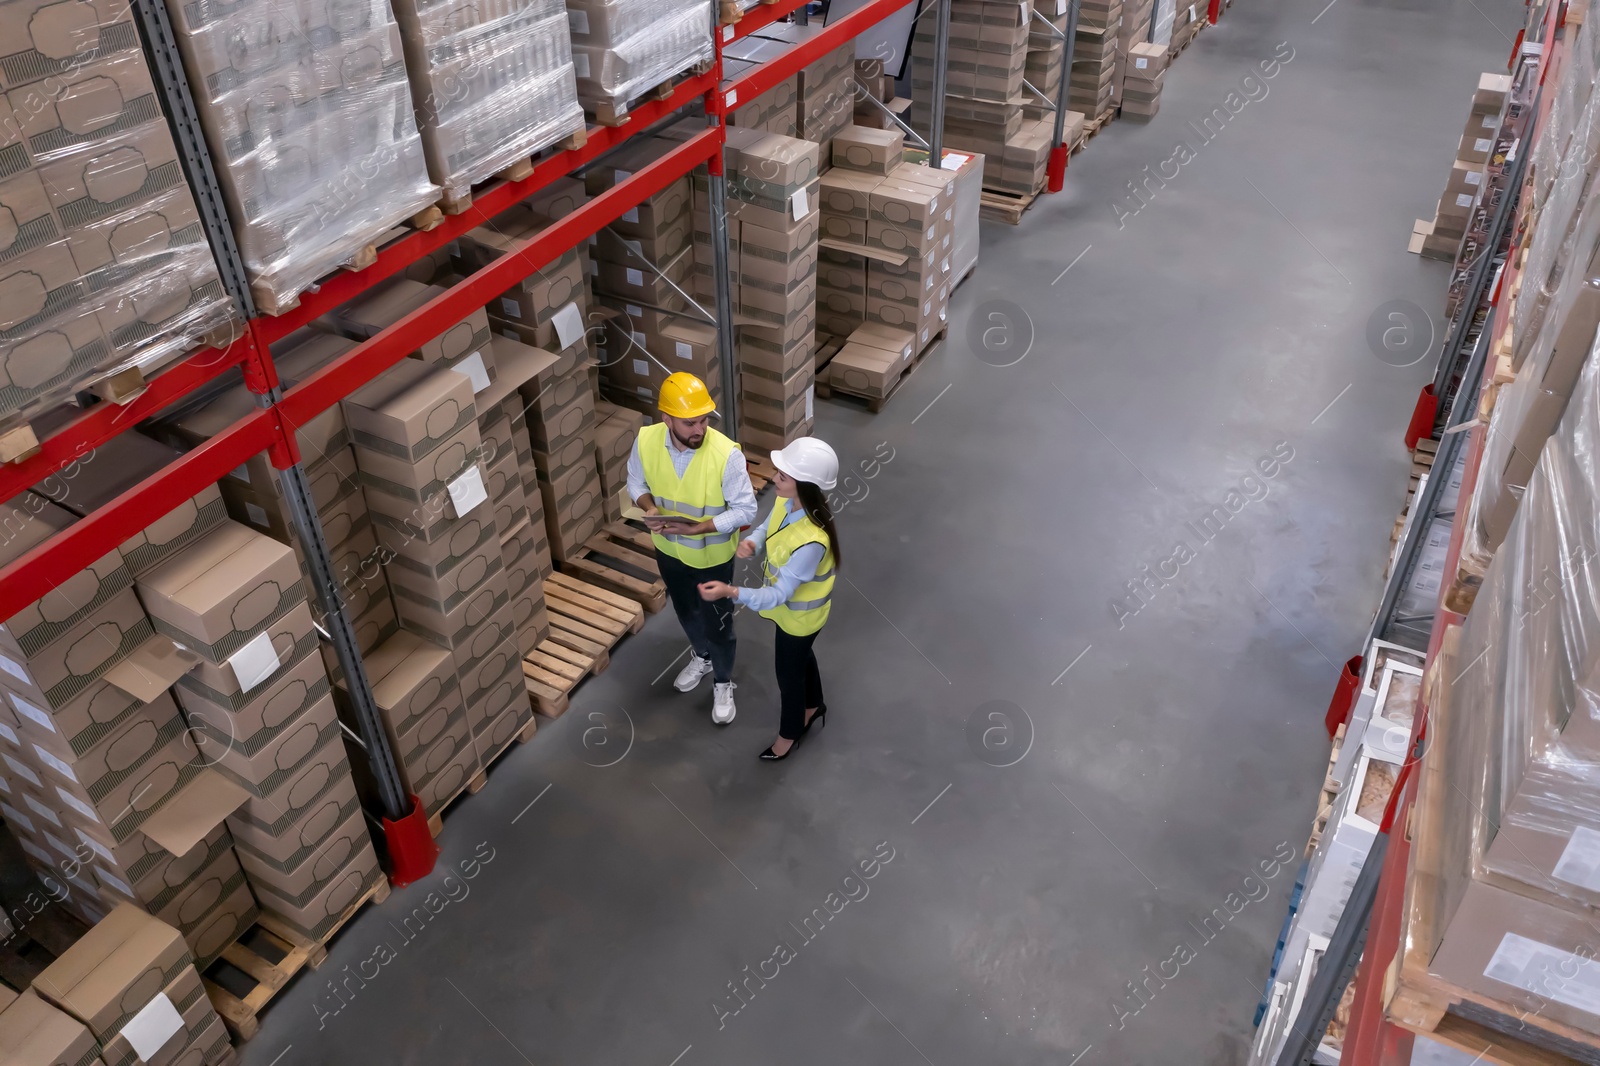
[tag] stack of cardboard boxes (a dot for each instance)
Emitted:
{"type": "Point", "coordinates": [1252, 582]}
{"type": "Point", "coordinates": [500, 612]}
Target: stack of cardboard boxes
{"type": "Point", "coordinates": [986, 104]}
{"type": "Point", "coordinates": [307, 113]}
{"type": "Point", "coordinates": [887, 232]}
{"type": "Point", "coordinates": [773, 228]}
{"type": "Point", "coordinates": [561, 436]}
{"type": "Point", "coordinates": [493, 85]}
{"type": "Point", "coordinates": [1146, 72]}
{"type": "Point", "coordinates": [1188, 19]}
{"type": "Point", "coordinates": [616, 430]}
{"type": "Point", "coordinates": [1042, 69]}
{"type": "Point", "coordinates": [1442, 237]}
{"type": "Point", "coordinates": [100, 780]}
{"type": "Point", "coordinates": [127, 993]}
{"type": "Point", "coordinates": [104, 264]}
{"type": "Point", "coordinates": [1095, 60]}
{"type": "Point", "coordinates": [260, 704]}
{"type": "Point", "coordinates": [623, 48]}
{"type": "Point", "coordinates": [826, 93]}
{"type": "Point", "coordinates": [777, 109]}
{"type": "Point", "coordinates": [1134, 29]}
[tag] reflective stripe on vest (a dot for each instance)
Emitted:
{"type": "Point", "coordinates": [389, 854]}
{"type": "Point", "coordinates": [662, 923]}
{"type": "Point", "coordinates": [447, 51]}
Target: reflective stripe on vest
{"type": "Point", "coordinates": [697, 495]}
{"type": "Point", "coordinates": [808, 611]}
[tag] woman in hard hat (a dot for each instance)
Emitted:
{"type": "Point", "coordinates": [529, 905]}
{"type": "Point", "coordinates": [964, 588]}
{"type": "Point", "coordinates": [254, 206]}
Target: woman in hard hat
{"type": "Point", "coordinates": [802, 556]}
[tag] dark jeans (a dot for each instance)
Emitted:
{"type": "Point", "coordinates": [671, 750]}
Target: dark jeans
{"type": "Point", "coordinates": [799, 683]}
{"type": "Point", "coordinates": [709, 626]}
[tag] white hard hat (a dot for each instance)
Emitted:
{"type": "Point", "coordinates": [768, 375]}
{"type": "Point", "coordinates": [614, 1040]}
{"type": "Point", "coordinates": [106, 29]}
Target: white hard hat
{"type": "Point", "coordinates": [809, 459]}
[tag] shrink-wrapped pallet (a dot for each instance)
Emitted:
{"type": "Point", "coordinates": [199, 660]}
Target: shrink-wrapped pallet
{"type": "Point", "coordinates": [624, 48]}
{"type": "Point", "coordinates": [493, 81]}
{"type": "Point", "coordinates": [104, 264]}
{"type": "Point", "coordinates": [307, 112]}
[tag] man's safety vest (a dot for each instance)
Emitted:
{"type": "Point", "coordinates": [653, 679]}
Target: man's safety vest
{"type": "Point", "coordinates": [696, 496]}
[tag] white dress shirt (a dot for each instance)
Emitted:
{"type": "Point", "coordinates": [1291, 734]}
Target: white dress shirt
{"type": "Point", "coordinates": [736, 488]}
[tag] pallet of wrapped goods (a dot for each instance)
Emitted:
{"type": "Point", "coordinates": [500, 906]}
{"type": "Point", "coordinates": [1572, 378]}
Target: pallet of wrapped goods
{"type": "Point", "coordinates": [106, 274]}
{"type": "Point", "coordinates": [626, 49]}
{"type": "Point", "coordinates": [308, 115]}
{"type": "Point", "coordinates": [493, 85]}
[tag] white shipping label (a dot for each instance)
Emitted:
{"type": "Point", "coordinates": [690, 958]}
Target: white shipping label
{"type": "Point", "coordinates": [59, 766]}
{"type": "Point", "coordinates": [114, 882]}
{"type": "Point", "coordinates": [641, 368]}
{"type": "Point", "coordinates": [634, 310]}
{"type": "Point", "coordinates": [78, 805]}
{"type": "Point", "coordinates": [1483, 144]}
{"type": "Point", "coordinates": [579, 20]}
{"type": "Point", "coordinates": [727, 33]}
{"type": "Point", "coordinates": [1061, 7]}
{"type": "Point", "coordinates": [1580, 859]}
{"type": "Point", "coordinates": [509, 308]}
{"type": "Point", "coordinates": [255, 662]}
{"type": "Point", "coordinates": [1490, 121]}
{"type": "Point", "coordinates": [811, 391]}
{"type": "Point", "coordinates": [16, 817]}
{"type": "Point", "coordinates": [800, 204]}
{"type": "Point", "coordinates": [37, 715]}
{"type": "Point", "coordinates": [15, 670]}
{"type": "Point", "coordinates": [730, 98]}
{"type": "Point", "coordinates": [42, 811]}
{"type": "Point", "coordinates": [1547, 971]}
{"type": "Point", "coordinates": [148, 1031]}
{"type": "Point", "coordinates": [97, 847]}
{"type": "Point", "coordinates": [241, 473]}
{"type": "Point", "coordinates": [1474, 177]}
{"type": "Point", "coordinates": [473, 369]}
{"type": "Point", "coordinates": [1140, 62]}
{"type": "Point", "coordinates": [1191, 13]}
{"type": "Point", "coordinates": [638, 338]}
{"type": "Point", "coordinates": [580, 63]}
{"type": "Point", "coordinates": [569, 324]}
{"type": "Point", "coordinates": [632, 276]}
{"type": "Point", "coordinates": [467, 491]}
{"type": "Point", "coordinates": [257, 514]}
{"type": "Point", "coordinates": [1463, 199]}
{"type": "Point", "coordinates": [684, 351]}
{"type": "Point", "coordinates": [22, 771]}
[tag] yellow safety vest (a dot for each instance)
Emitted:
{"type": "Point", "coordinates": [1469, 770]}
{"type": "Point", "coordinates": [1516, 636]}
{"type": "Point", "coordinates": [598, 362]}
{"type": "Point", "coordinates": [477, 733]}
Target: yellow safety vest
{"type": "Point", "coordinates": [807, 609]}
{"type": "Point", "coordinates": [697, 495]}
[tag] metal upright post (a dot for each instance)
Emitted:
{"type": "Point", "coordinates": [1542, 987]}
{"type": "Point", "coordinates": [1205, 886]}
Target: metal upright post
{"type": "Point", "coordinates": [722, 278]}
{"type": "Point", "coordinates": [941, 60]}
{"type": "Point", "coordinates": [1060, 149]}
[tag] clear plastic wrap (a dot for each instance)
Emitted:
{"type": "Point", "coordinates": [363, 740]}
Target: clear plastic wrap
{"type": "Point", "coordinates": [493, 81]}
{"type": "Point", "coordinates": [307, 111]}
{"type": "Point", "coordinates": [104, 263]}
{"type": "Point", "coordinates": [623, 48]}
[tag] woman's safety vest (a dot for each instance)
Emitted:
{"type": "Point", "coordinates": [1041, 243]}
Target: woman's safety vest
{"type": "Point", "coordinates": [807, 610]}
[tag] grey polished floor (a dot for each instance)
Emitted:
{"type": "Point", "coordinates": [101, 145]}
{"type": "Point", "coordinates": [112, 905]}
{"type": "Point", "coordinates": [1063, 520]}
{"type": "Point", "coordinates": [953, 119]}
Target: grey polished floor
{"type": "Point", "coordinates": [636, 864]}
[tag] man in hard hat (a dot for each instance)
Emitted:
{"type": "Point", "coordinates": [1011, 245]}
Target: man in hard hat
{"type": "Point", "coordinates": [692, 485]}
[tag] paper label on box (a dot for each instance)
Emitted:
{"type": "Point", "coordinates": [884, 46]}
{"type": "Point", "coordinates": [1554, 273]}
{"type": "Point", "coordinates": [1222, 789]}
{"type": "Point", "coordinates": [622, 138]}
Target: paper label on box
{"type": "Point", "coordinates": [1483, 144]}
{"type": "Point", "coordinates": [632, 276]}
{"type": "Point", "coordinates": [811, 392]}
{"type": "Point", "coordinates": [800, 204]}
{"type": "Point", "coordinates": [1140, 62]}
{"type": "Point", "coordinates": [1474, 177]}
{"type": "Point", "coordinates": [9, 735]}
{"type": "Point", "coordinates": [730, 98]}
{"type": "Point", "coordinates": [78, 805]}
{"type": "Point", "coordinates": [95, 846]}
{"type": "Point", "coordinates": [115, 882]}
{"type": "Point", "coordinates": [257, 514]}
{"type": "Point", "coordinates": [15, 670]}
{"type": "Point", "coordinates": [569, 325]}
{"type": "Point", "coordinates": [149, 1030]}
{"type": "Point", "coordinates": [509, 308]}
{"type": "Point", "coordinates": [473, 370]}
{"type": "Point", "coordinates": [1490, 121]}
{"type": "Point", "coordinates": [55, 763]}
{"type": "Point", "coordinates": [1061, 8]}
{"type": "Point", "coordinates": [641, 368]}
{"type": "Point", "coordinates": [579, 20]}
{"type": "Point", "coordinates": [638, 338]}
{"type": "Point", "coordinates": [1547, 971]}
{"type": "Point", "coordinates": [467, 491]}
{"type": "Point", "coordinates": [255, 662]}
{"type": "Point", "coordinates": [634, 310]}
{"type": "Point", "coordinates": [684, 351]}
{"type": "Point", "coordinates": [1580, 859]}
{"type": "Point", "coordinates": [1463, 199]}
{"type": "Point", "coordinates": [42, 811]}
{"type": "Point", "coordinates": [727, 33]}
{"type": "Point", "coordinates": [16, 817]}
{"type": "Point", "coordinates": [580, 63]}
{"type": "Point", "coordinates": [22, 771]}
{"type": "Point", "coordinates": [37, 715]}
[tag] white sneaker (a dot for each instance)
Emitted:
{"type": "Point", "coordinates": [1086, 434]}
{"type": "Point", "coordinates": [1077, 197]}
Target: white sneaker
{"type": "Point", "coordinates": [722, 709]}
{"type": "Point", "coordinates": [688, 678]}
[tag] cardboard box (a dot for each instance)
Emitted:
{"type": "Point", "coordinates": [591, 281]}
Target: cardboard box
{"type": "Point", "coordinates": [387, 303]}
{"type": "Point", "coordinates": [220, 927]}
{"type": "Point", "coordinates": [283, 849]}
{"type": "Point", "coordinates": [287, 746]}
{"type": "Point", "coordinates": [231, 738]}
{"type": "Point", "coordinates": [873, 151]}
{"type": "Point", "coordinates": [88, 651]}
{"type": "Point", "coordinates": [292, 637]}
{"type": "Point", "coordinates": [36, 1033]}
{"type": "Point", "coordinates": [130, 167]}
{"type": "Point", "coordinates": [25, 217]}
{"type": "Point", "coordinates": [451, 587]}
{"type": "Point", "coordinates": [865, 371]}
{"type": "Point", "coordinates": [265, 817]}
{"type": "Point", "coordinates": [114, 970]}
{"type": "Point", "coordinates": [319, 914]}
{"type": "Point", "coordinates": [450, 628]}
{"type": "Point", "coordinates": [445, 767]}
{"type": "Point", "coordinates": [410, 411]}
{"type": "Point", "coordinates": [532, 618]}
{"type": "Point", "coordinates": [417, 481]}
{"type": "Point", "coordinates": [49, 37]}
{"type": "Point", "coordinates": [46, 620]}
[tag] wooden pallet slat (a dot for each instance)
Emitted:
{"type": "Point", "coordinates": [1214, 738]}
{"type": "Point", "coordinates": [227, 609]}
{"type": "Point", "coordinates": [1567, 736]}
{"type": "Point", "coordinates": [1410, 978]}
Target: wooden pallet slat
{"type": "Point", "coordinates": [620, 558]}
{"type": "Point", "coordinates": [586, 622]}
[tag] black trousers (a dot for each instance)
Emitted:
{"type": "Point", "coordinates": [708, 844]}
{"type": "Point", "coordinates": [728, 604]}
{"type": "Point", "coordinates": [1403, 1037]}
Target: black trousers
{"type": "Point", "coordinates": [708, 625]}
{"type": "Point", "coordinates": [799, 683]}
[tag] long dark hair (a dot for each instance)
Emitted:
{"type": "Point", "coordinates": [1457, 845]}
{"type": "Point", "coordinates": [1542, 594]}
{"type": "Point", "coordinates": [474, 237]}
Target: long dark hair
{"type": "Point", "coordinates": [815, 502]}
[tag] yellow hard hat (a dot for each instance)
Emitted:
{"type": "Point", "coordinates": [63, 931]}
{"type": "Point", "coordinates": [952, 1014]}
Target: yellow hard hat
{"type": "Point", "coordinates": [684, 396]}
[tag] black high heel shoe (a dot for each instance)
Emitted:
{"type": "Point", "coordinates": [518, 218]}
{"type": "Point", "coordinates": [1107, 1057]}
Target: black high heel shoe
{"type": "Point", "coordinates": [818, 719]}
{"type": "Point", "coordinates": [768, 756]}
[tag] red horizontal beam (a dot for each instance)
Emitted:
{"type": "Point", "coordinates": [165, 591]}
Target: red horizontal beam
{"type": "Point", "coordinates": [343, 287]}
{"type": "Point", "coordinates": [104, 421]}
{"type": "Point", "coordinates": [769, 74]}
{"type": "Point", "coordinates": [87, 539]}
{"type": "Point", "coordinates": [361, 364]}
{"type": "Point", "coordinates": [759, 18]}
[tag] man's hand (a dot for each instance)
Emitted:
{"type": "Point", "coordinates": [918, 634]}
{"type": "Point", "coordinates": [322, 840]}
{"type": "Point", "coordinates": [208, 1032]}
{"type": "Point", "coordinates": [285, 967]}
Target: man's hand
{"type": "Point", "coordinates": [683, 527]}
{"type": "Point", "coordinates": [717, 590]}
{"type": "Point", "coordinates": [746, 549]}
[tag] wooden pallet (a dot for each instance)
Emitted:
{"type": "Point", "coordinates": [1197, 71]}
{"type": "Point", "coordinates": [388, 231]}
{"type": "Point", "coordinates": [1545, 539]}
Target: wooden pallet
{"type": "Point", "coordinates": [1492, 1030]}
{"type": "Point", "coordinates": [621, 558]}
{"type": "Point", "coordinates": [996, 205]}
{"type": "Point", "coordinates": [458, 203]}
{"type": "Point", "coordinates": [269, 954]}
{"type": "Point", "coordinates": [586, 622]}
{"type": "Point", "coordinates": [616, 112]}
{"type": "Point", "coordinates": [875, 404]}
{"type": "Point", "coordinates": [1328, 794]}
{"type": "Point", "coordinates": [759, 464]}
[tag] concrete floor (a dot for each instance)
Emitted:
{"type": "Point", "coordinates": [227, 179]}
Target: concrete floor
{"type": "Point", "coordinates": [639, 859]}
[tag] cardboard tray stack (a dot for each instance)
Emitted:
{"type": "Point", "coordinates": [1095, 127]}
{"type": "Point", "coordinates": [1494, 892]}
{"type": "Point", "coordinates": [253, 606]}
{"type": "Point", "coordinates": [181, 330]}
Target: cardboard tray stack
{"type": "Point", "coordinates": [1442, 237]}
{"type": "Point", "coordinates": [1096, 61]}
{"type": "Point", "coordinates": [105, 269]}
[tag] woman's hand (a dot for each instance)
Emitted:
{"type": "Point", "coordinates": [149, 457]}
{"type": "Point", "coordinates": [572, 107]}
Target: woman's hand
{"type": "Point", "coordinates": [746, 549]}
{"type": "Point", "coordinates": [717, 590]}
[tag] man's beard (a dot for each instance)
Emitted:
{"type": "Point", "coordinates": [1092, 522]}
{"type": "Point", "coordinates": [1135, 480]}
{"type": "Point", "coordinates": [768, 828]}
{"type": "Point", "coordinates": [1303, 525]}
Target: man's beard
{"type": "Point", "coordinates": [690, 444]}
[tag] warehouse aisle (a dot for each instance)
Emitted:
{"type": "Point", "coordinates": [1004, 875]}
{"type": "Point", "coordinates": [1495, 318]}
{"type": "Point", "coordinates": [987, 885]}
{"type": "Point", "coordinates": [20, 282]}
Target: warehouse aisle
{"type": "Point", "coordinates": [1102, 555]}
